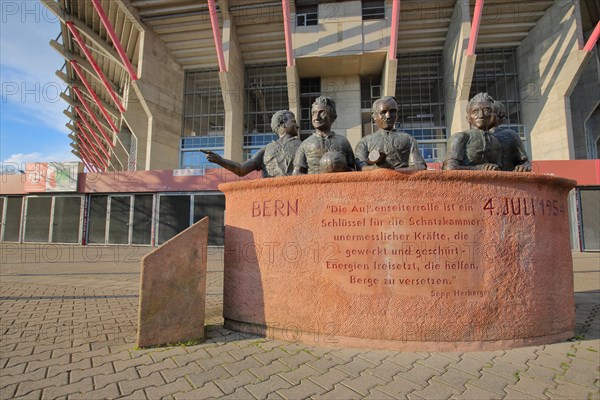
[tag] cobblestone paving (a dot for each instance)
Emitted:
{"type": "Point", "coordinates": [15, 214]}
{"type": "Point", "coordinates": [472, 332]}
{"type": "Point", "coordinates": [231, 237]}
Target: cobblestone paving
{"type": "Point", "coordinates": [68, 320]}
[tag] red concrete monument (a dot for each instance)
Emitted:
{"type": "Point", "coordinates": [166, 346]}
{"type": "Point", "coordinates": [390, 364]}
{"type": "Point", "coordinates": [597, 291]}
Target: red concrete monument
{"type": "Point", "coordinates": [433, 261]}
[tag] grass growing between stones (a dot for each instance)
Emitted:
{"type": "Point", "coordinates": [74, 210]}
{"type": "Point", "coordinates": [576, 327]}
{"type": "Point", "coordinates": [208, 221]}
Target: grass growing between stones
{"type": "Point", "coordinates": [185, 343]}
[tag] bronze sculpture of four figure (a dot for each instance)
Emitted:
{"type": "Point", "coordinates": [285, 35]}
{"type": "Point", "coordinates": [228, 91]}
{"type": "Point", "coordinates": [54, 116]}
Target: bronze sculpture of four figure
{"type": "Point", "coordinates": [485, 146]}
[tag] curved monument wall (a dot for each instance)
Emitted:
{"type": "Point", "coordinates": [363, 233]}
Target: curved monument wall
{"type": "Point", "coordinates": [437, 261]}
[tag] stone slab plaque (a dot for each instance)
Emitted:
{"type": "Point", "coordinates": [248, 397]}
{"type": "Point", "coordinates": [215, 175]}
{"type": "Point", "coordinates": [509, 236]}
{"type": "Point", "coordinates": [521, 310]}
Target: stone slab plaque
{"type": "Point", "coordinates": [173, 289]}
{"type": "Point", "coordinates": [453, 260]}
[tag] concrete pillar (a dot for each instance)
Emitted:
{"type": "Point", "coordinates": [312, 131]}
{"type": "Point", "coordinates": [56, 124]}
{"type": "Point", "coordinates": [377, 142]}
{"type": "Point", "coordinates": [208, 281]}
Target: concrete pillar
{"type": "Point", "coordinates": [458, 68]}
{"type": "Point", "coordinates": [138, 118]}
{"type": "Point", "coordinates": [293, 82]}
{"type": "Point", "coordinates": [232, 89]}
{"type": "Point", "coordinates": [160, 93]}
{"type": "Point", "coordinates": [345, 90]}
{"type": "Point", "coordinates": [550, 63]}
{"type": "Point", "coordinates": [388, 78]}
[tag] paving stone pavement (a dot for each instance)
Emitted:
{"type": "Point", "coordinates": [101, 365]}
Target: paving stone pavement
{"type": "Point", "coordinates": [68, 318]}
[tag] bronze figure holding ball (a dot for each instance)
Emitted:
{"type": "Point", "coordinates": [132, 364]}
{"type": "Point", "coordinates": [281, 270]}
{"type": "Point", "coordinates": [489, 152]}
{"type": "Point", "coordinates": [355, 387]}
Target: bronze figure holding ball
{"type": "Point", "coordinates": [388, 148]}
{"type": "Point", "coordinates": [313, 155]}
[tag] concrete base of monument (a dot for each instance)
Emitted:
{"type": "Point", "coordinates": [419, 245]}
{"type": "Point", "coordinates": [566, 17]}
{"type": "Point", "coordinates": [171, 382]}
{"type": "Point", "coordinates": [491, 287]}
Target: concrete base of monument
{"type": "Point", "coordinates": [328, 339]}
{"type": "Point", "coordinates": [433, 261]}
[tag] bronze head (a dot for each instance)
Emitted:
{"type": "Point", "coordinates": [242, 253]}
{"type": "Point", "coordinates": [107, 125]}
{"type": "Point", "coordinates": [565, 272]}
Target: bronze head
{"type": "Point", "coordinates": [480, 111]}
{"type": "Point", "coordinates": [385, 112]}
{"type": "Point", "coordinates": [284, 122]}
{"type": "Point", "coordinates": [323, 113]}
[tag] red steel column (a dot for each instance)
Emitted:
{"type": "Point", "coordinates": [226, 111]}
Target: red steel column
{"type": "Point", "coordinates": [92, 116]}
{"type": "Point", "coordinates": [593, 38]}
{"type": "Point", "coordinates": [113, 36]}
{"type": "Point", "coordinates": [92, 61]}
{"type": "Point", "coordinates": [87, 165]}
{"type": "Point", "coordinates": [90, 166]}
{"type": "Point", "coordinates": [94, 96]}
{"type": "Point", "coordinates": [394, 33]}
{"type": "Point", "coordinates": [475, 27]}
{"type": "Point", "coordinates": [83, 140]}
{"type": "Point", "coordinates": [289, 49]}
{"type": "Point", "coordinates": [78, 151]}
{"type": "Point", "coordinates": [96, 163]}
{"type": "Point", "coordinates": [214, 21]}
{"type": "Point", "coordinates": [93, 133]}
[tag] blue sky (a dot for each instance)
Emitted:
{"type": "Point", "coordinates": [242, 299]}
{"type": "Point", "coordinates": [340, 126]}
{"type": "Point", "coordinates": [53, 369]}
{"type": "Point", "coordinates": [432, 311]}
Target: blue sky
{"type": "Point", "coordinates": [32, 123]}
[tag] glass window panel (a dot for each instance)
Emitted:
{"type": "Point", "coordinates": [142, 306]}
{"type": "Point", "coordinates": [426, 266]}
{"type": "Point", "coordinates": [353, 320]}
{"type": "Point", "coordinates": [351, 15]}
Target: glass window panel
{"type": "Point", "coordinates": [187, 126]}
{"type": "Point", "coordinates": [12, 222]}
{"type": "Point", "coordinates": [511, 88]}
{"type": "Point", "coordinates": [512, 113]}
{"type": "Point", "coordinates": [97, 219]}
{"type": "Point", "coordinates": [118, 224]}
{"type": "Point", "coordinates": [173, 216]}
{"type": "Point", "coordinates": [433, 152]}
{"type": "Point", "coordinates": [427, 134]}
{"type": "Point", "coordinates": [310, 89]}
{"type": "Point", "coordinates": [199, 104]}
{"type": "Point", "coordinates": [373, 9]}
{"type": "Point", "coordinates": [370, 90]}
{"type": "Point", "coordinates": [142, 219]}
{"type": "Point", "coordinates": [197, 159]}
{"type": "Point", "coordinates": [189, 104]}
{"type": "Point", "coordinates": [440, 118]}
{"type": "Point", "coordinates": [510, 66]}
{"type": "Point", "coordinates": [218, 124]}
{"type": "Point", "coordinates": [198, 129]}
{"type": "Point", "coordinates": [205, 142]}
{"type": "Point", "coordinates": [420, 94]}
{"type": "Point", "coordinates": [189, 82]}
{"type": "Point", "coordinates": [203, 103]}
{"type": "Point", "coordinates": [67, 219]}
{"type": "Point", "coordinates": [213, 207]}
{"type": "Point", "coordinates": [305, 123]}
{"type": "Point", "coordinates": [259, 140]}
{"type": "Point", "coordinates": [590, 218]}
{"type": "Point", "coordinates": [192, 159]}
{"type": "Point", "coordinates": [37, 224]}
{"type": "Point", "coordinates": [265, 93]}
{"type": "Point", "coordinates": [375, 91]}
